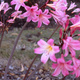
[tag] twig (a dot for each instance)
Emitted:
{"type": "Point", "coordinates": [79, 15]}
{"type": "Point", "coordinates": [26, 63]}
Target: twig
{"type": "Point", "coordinates": [34, 71]}
{"type": "Point", "coordinates": [30, 67]}
{"type": "Point", "coordinates": [14, 47]}
{"type": "Point", "coordinates": [54, 31]}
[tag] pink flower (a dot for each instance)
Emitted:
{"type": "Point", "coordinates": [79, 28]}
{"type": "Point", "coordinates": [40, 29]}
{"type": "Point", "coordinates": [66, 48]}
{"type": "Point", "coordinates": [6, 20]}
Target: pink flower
{"type": "Point", "coordinates": [14, 15]}
{"type": "Point", "coordinates": [76, 66]}
{"type": "Point", "coordinates": [18, 3]}
{"type": "Point", "coordinates": [30, 14]}
{"type": "Point", "coordinates": [72, 5]}
{"type": "Point", "coordinates": [4, 6]}
{"type": "Point", "coordinates": [60, 17]}
{"type": "Point", "coordinates": [59, 5]}
{"type": "Point", "coordinates": [76, 23]}
{"type": "Point", "coordinates": [76, 10]}
{"type": "Point", "coordinates": [11, 20]}
{"type": "Point", "coordinates": [72, 45]}
{"type": "Point", "coordinates": [42, 17]}
{"type": "Point", "coordinates": [47, 49]}
{"type": "Point", "coordinates": [62, 66]}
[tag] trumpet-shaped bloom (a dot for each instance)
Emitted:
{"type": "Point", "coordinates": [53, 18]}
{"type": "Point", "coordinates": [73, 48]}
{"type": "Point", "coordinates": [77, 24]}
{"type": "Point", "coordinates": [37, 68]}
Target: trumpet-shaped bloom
{"type": "Point", "coordinates": [76, 66]}
{"type": "Point", "coordinates": [47, 49]}
{"type": "Point", "coordinates": [18, 3]}
{"type": "Point", "coordinates": [72, 5]}
{"type": "Point", "coordinates": [72, 45]}
{"type": "Point", "coordinates": [62, 66]}
{"type": "Point", "coordinates": [60, 17]}
{"type": "Point", "coordinates": [76, 23]}
{"type": "Point", "coordinates": [30, 14]}
{"type": "Point", "coordinates": [42, 17]}
{"type": "Point", "coordinates": [4, 6]}
{"type": "Point", "coordinates": [59, 5]}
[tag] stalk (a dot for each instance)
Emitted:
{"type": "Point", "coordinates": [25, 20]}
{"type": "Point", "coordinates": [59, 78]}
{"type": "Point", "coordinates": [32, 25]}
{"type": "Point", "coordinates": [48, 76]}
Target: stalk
{"type": "Point", "coordinates": [14, 47]}
{"type": "Point", "coordinates": [26, 75]}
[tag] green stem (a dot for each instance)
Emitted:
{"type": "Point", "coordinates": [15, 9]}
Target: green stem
{"type": "Point", "coordinates": [14, 47]}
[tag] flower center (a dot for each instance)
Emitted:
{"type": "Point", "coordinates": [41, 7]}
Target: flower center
{"type": "Point", "coordinates": [49, 48]}
{"type": "Point", "coordinates": [40, 16]}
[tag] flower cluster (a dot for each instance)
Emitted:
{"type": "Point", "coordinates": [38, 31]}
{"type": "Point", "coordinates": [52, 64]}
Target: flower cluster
{"type": "Point", "coordinates": [66, 45]}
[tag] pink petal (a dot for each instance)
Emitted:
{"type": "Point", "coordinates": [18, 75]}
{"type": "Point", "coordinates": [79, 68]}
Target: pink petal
{"type": "Point", "coordinates": [69, 62]}
{"type": "Point", "coordinates": [54, 65]}
{"type": "Point", "coordinates": [29, 19]}
{"type": "Point", "coordinates": [65, 72]}
{"type": "Point", "coordinates": [52, 57]}
{"type": "Point", "coordinates": [41, 43]}
{"type": "Point", "coordinates": [72, 51]}
{"type": "Point", "coordinates": [44, 58]}
{"type": "Point", "coordinates": [56, 49]}
{"type": "Point", "coordinates": [17, 6]}
{"type": "Point", "coordinates": [50, 41]}
{"type": "Point", "coordinates": [46, 11]}
{"type": "Point", "coordinates": [39, 23]}
{"type": "Point", "coordinates": [57, 71]}
{"type": "Point", "coordinates": [46, 21]}
{"type": "Point", "coordinates": [68, 67]}
{"type": "Point", "coordinates": [38, 50]}
{"type": "Point", "coordinates": [13, 2]}
{"type": "Point", "coordinates": [66, 52]}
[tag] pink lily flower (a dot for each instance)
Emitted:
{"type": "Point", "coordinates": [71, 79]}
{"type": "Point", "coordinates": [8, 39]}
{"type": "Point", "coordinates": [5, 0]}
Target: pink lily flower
{"type": "Point", "coordinates": [76, 23]}
{"type": "Point", "coordinates": [60, 5]}
{"type": "Point", "coordinates": [47, 49]}
{"type": "Point", "coordinates": [72, 45]}
{"type": "Point", "coordinates": [30, 14]}
{"type": "Point", "coordinates": [4, 6]}
{"type": "Point", "coordinates": [60, 17]}
{"type": "Point", "coordinates": [18, 3]}
{"type": "Point", "coordinates": [42, 17]}
{"type": "Point", "coordinates": [76, 66]}
{"type": "Point", "coordinates": [62, 66]}
{"type": "Point", "coordinates": [72, 5]}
